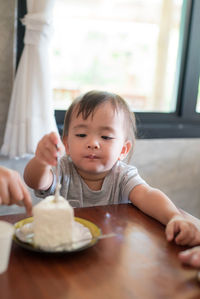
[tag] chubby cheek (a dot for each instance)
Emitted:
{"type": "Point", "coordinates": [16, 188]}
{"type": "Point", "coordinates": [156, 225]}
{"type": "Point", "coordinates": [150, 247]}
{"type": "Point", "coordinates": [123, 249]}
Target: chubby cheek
{"type": "Point", "coordinates": [75, 150]}
{"type": "Point", "coordinates": [111, 155]}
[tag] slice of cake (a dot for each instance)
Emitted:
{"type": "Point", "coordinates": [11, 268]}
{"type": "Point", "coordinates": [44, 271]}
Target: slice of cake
{"type": "Point", "coordinates": [53, 222]}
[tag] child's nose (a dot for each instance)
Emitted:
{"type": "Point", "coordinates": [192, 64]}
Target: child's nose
{"type": "Point", "coordinates": [93, 144]}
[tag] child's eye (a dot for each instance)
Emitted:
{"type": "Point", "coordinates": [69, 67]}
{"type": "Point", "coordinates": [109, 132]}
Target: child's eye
{"type": "Point", "coordinates": [106, 137]}
{"type": "Point", "coordinates": [81, 135]}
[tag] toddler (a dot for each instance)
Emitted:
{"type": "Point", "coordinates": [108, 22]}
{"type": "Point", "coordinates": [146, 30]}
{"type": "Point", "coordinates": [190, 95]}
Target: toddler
{"type": "Point", "coordinates": [98, 134]}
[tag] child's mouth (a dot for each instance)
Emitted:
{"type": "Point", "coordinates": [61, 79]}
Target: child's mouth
{"type": "Point", "coordinates": [92, 157]}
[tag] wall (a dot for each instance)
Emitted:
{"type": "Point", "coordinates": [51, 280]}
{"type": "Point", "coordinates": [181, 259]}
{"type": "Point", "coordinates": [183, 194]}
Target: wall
{"type": "Point", "coordinates": [7, 30]}
{"type": "Point", "coordinates": [173, 166]}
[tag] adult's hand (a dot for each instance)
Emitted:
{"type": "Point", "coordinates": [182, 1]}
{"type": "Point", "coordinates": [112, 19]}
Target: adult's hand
{"type": "Point", "coordinates": [13, 190]}
{"type": "Point", "coordinates": [191, 257]}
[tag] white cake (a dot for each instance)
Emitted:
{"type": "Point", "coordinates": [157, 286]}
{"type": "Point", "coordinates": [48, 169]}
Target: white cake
{"type": "Point", "coordinates": [53, 222]}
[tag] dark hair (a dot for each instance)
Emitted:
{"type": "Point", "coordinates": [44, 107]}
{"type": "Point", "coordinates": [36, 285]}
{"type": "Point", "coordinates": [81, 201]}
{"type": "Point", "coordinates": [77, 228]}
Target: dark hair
{"type": "Point", "coordinates": [87, 103]}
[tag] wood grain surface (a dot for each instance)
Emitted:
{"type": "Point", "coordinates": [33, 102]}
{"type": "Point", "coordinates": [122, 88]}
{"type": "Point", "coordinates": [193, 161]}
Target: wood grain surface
{"type": "Point", "coordinates": [137, 263]}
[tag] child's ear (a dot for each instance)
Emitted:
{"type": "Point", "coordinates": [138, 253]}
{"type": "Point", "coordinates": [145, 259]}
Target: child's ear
{"type": "Point", "coordinates": [125, 150]}
{"type": "Point", "coordinates": [65, 142]}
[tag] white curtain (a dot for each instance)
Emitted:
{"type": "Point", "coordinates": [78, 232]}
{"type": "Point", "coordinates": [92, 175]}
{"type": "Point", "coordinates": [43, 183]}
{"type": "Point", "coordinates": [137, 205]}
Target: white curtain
{"type": "Point", "coordinates": [31, 112]}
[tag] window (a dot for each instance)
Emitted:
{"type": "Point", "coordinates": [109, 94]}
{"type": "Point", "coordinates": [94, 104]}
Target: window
{"type": "Point", "coordinates": [148, 51]}
{"type": "Point", "coordinates": [198, 99]}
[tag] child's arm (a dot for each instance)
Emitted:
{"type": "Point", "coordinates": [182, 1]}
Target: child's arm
{"type": "Point", "coordinates": [38, 174]}
{"type": "Point", "coordinates": [156, 204]}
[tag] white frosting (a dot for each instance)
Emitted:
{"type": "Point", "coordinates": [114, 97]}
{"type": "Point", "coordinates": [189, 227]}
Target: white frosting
{"type": "Point", "coordinates": [81, 237]}
{"type": "Point", "coordinates": [53, 222]}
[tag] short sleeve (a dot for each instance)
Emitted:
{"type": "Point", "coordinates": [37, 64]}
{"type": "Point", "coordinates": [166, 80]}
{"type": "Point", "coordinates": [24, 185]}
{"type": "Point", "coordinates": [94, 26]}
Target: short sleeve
{"type": "Point", "coordinates": [130, 180]}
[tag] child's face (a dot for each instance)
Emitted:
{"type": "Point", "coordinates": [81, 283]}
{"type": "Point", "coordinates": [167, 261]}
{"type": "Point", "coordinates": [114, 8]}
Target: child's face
{"type": "Point", "coordinates": [95, 144]}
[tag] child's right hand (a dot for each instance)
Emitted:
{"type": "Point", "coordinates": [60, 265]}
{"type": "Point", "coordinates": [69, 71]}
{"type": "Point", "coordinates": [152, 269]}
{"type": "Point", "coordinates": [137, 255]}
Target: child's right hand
{"type": "Point", "coordinates": [48, 148]}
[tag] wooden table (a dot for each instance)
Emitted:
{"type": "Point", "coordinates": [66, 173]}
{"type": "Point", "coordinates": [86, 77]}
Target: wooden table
{"type": "Point", "coordinates": [137, 263]}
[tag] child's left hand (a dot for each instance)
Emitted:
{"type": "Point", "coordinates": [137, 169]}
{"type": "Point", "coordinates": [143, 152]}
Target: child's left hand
{"type": "Point", "coordinates": [182, 231]}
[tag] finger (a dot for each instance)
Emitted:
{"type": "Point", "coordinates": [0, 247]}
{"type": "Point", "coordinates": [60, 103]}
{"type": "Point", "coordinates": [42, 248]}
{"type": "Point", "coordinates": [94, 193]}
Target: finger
{"type": "Point", "coordinates": [20, 196]}
{"type": "Point", "coordinates": [186, 235]}
{"type": "Point", "coordinates": [5, 196]}
{"type": "Point", "coordinates": [185, 256]}
{"type": "Point", "coordinates": [19, 192]}
{"type": "Point", "coordinates": [195, 260]}
{"type": "Point", "coordinates": [190, 257]}
{"type": "Point", "coordinates": [184, 239]}
{"type": "Point", "coordinates": [50, 146]}
{"type": "Point", "coordinates": [50, 156]}
{"type": "Point", "coordinates": [54, 138]}
{"type": "Point", "coordinates": [196, 240]}
{"type": "Point", "coordinates": [16, 193]}
{"type": "Point", "coordinates": [47, 141]}
{"type": "Point", "coordinates": [47, 155]}
{"type": "Point", "coordinates": [27, 201]}
{"type": "Point", "coordinates": [183, 233]}
{"type": "Point", "coordinates": [170, 230]}
{"type": "Point", "coordinates": [60, 148]}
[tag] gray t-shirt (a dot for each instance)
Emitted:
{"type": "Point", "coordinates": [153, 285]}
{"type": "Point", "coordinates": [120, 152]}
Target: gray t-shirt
{"type": "Point", "coordinates": [115, 189]}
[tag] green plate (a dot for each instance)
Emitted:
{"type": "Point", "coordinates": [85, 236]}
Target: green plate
{"type": "Point", "coordinates": [94, 229]}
